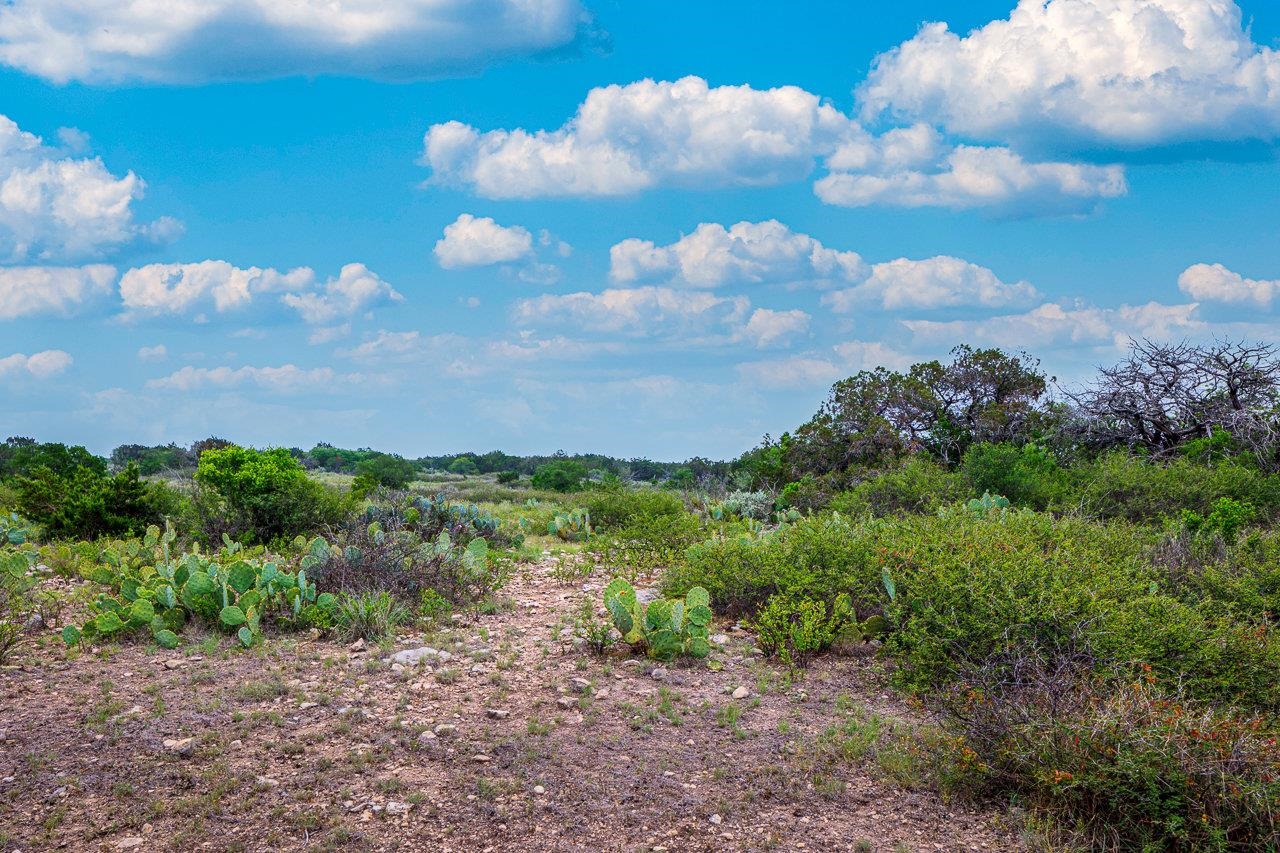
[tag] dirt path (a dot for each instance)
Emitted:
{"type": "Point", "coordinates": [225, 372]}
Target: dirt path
{"type": "Point", "coordinates": [518, 741]}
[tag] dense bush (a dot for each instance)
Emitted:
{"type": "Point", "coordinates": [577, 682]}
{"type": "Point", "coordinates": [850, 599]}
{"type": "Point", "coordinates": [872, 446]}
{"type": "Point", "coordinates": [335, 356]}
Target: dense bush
{"type": "Point", "coordinates": [464, 465]}
{"type": "Point", "coordinates": [1119, 764]}
{"type": "Point", "coordinates": [86, 503]}
{"type": "Point", "coordinates": [1119, 485]}
{"type": "Point", "coordinates": [383, 470]}
{"type": "Point", "coordinates": [261, 496]}
{"type": "Point", "coordinates": [1028, 475]}
{"type": "Point", "coordinates": [560, 475]}
{"type": "Point", "coordinates": [918, 485]}
{"type": "Point", "coordinates": [615, 508]}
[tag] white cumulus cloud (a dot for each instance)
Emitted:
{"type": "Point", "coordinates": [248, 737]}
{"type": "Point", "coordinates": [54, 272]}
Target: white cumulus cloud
{"type": "Point", "coordinates": [194, 41]}
{"type": "Point", "coordinates": [57, 207]}
{"type": "Point", "coordinates": [179, 288]}
{"type": "Point", "coordinates": [159, 352]}
{"type": "Point", "coordinates": [969, 176]}
{"type": "Point", "coordinates": [355, 290]}
{"type": "Point", "coordinates": [28, 291]}
{"type": "Point", "coordinates": [471, 241]}
{"type": "Point", "coordinates": [1128, 73]}
{"type": "Point", "coordinates": [768, 328]}
{"type": "Point", "coordinates": [1052, 325]}
{"type": "Point", "coordinates": [1216, 283]}
{"type": "Point", "coordinates": [745, 253]}
{"type": "Point", "coordinates": [939, 282]}
{"type": "Point", "coordinates": [624, 139]}
{"type": "Point", "coordinates": [40, 365]}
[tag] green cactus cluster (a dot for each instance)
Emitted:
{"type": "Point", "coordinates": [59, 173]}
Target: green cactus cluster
{"type": "Point", "coordinates": [161, 593]}
{"type": "Point", "coordinates": [665, 628]}
{"type": "Point", "coordinates": [572, 526]}
{"type": "Point", "coordinates": [13, 530]}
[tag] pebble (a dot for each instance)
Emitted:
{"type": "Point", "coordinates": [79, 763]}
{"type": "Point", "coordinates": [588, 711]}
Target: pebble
{"type": "Point", "coordinates": [659, 673]}
{"type": "Point", "coordinates": [567, 702]}
{"type": "Point", "coordinates": [720, 639]}
{"type": "Point", "coordinates": [445, 729]}
{"type": "Point", "coordinates": [741, 692]}
{"type": "Point", "coordinates": [357, 646]}
{"type": "Point", "coordinates": [538, 789]}
{"type": "Point", "coordinates": [398, 808]}
{"type": "Point", "coordinates": [174, 663]}
{"type": "Point", "coordinates": [483, 759]}
{"type": "Point", "coordinates": [716, 819]}
{"type": "Point", "coordinates": [129, 843]}
{"type": "Point", "coordinates": [184, 746]}
{"type": "Point", "coordinates": [497, 713]}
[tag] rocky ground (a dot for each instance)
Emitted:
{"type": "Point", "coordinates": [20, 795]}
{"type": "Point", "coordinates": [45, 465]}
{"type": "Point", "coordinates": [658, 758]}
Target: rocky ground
{"type": "Point", "coordinates": [497, 732]}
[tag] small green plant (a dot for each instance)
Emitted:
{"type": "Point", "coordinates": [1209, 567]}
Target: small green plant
{"type": "Point", "coordinates": [433, 605]}
{"type": "Point", "coordinates": [372, 616]}
{"type": "Point", "coordinates": [596, 633]}
{"type": "Point", "coordinates": [19, 600]}
{"type": "Point", "coordinates": [665, 628]}
{"type": "Point", "coordinates": [1225, 519]}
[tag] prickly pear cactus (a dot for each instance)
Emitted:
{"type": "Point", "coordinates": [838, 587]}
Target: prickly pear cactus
{"type": "Point", "coordinates": [665, 629]}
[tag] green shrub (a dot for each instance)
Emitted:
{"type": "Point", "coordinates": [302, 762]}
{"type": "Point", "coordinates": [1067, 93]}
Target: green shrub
{"type": "Point", "coordinates": [372, 616]}
{"type": "Point", "coordinates": [507, 477]}
{"type": "Point", "coordinates": [1225, 520]}
{"type": "Point", "coordinates": [616, 508]}
{"type": "Point", "coordinates": [464, 465]}
{"type": "Point", "coordinates": [86, 503]}
{"type": "Point", "coordinates": [262, 496]}
{"type": "Point", "coordinates": [917, 486]}
{"type": "Point", "coordinates": [1122, 765]}
{"type": "Point", "coordinates": [1119, 485]}
{"type": "Point", "coordinates": [648, 542]}
{"type": "Point", "coordinates": [1028, 475]}
{"type": "Point", "coordinates": [560, 475]}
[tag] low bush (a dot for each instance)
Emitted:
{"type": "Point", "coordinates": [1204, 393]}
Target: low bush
{"type": "Point", "coordinates": [1119, 485]}
{"type": "Point", "coordinates": [1029, 476]}
{"type": "Point", "coordinates": [86, 503]}
{"type": "Point", "coordinates": [371, 616]}
{"type": "Point", "coordinates": [917, 486]}
{"type": "Point", "coordinates": [1118, 764]}
{"type": "Point", "coordinates": [560, 475]}
{"type": "Point", "coordinates": [615, 508]}
{"type": "Point", "coordinates": [21, 601]}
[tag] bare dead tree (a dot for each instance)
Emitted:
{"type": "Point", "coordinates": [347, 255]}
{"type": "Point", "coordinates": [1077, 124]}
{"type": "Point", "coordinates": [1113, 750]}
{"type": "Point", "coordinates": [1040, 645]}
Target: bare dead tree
{"type": "Point", "coordinates": [1165, 394]}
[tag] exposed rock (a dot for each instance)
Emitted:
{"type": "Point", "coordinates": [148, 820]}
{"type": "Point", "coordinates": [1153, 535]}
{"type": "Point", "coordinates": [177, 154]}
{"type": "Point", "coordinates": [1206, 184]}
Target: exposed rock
{"type": "Point", "coordinates": [183, 746]}
{"type": "Point", "coordinates": [413, 657]}
{"type": "Point", "coordinates": [741, 692]}
{"type": "Point", "coordinates": [720, 639]}
{"type": "Point", "coordinates": [357, 646]}
{"type": "Point", "coordinates": [497, 713]}
{"type": "Point", "coordinates": [445, 729]}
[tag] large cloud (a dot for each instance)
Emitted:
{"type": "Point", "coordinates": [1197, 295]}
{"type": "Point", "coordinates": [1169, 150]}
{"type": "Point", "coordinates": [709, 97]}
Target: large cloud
{"type": "Point", "coordinates": [1216, 283]}
{"type": "Point", "coordinates": [180, 288]}
{"type": "Point", "coordinates": [1094, 72]}
{"type": "Point", "coordinates": [39, 365]}
{"type": "Point", "coordinates": [625, 139]}
{"type": "Point", "coordinates": [193, 41]}
{"type": "Point", "coordinates": [645, 134]}
{"type": "Point", "coordinates": [56, 207]}
{"type": "Point", "coordinates": [745, 253]}
{"type": "Point", "coordinates": [1053, 325]}
{"type": "Point", "coordinates": [27, 291]}
{"type": "Point", "coordinates": [970, 176]}
{"type": "Point", "coordinates": [939, 282]}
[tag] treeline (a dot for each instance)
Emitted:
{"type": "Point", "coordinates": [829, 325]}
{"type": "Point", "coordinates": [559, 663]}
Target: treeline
{"type": "Point", "coordinates": [158, 459]}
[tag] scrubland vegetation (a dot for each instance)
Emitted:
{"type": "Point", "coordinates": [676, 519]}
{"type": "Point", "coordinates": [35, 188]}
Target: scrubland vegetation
{"type": "Point", "coordinates": [1079, 587]}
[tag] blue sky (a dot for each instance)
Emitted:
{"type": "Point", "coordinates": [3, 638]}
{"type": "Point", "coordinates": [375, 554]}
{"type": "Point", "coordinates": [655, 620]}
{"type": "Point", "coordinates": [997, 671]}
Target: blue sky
{"type": "Point", "coordinates": [637, 228]}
